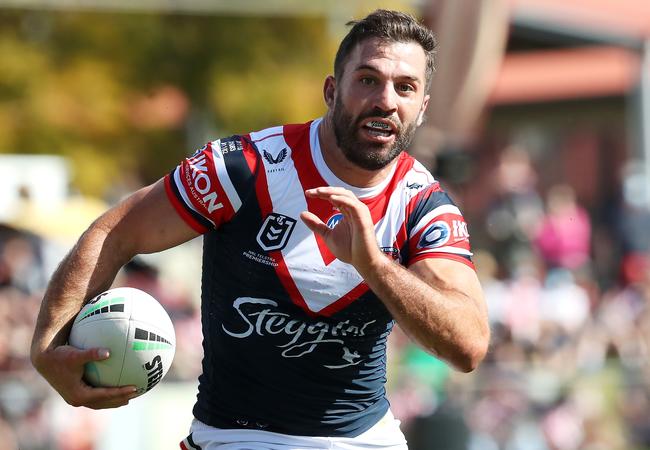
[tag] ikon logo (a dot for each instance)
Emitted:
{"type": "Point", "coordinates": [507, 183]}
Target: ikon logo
{"type": "Point", "coordinates": [275, 232]}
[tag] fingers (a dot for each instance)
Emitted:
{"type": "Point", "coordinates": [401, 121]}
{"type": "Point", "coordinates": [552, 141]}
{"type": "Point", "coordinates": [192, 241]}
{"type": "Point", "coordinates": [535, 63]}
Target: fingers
{"type": "Point", "coordinates": [342, 198]}
{"type": "Point", "coordinates": [64, 371]}
{"type": "Point", "coordinates": [103, 398]}
{"type": "Point", "coordinates": [326, 192]}
{"type": "Point", "coordinates": [314, 223]}
{"type": "Point", "coordinates": [91, 354]}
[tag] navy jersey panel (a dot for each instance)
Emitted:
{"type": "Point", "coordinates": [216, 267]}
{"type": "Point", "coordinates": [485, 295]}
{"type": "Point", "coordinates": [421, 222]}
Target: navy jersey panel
{"type": "Point", "coordinates": [270, 365]}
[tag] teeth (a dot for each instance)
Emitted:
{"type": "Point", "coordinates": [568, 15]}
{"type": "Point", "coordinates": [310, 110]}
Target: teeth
{"type": "Point", "coordinates": [374, 132]}
{"type": "Point", "coordinates": [379, 125]}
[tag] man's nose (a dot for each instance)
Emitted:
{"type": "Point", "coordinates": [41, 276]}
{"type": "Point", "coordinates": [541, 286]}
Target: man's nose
{"type": "Point", "coordinates": [386, 97]}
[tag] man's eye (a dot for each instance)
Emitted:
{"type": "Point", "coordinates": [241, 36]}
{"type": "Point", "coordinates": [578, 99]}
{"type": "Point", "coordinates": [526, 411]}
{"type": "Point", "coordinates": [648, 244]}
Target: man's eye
{"type": "Point", "coordinates": [367, 81]}
{"type": "Point", "coordinates": [406, 88]}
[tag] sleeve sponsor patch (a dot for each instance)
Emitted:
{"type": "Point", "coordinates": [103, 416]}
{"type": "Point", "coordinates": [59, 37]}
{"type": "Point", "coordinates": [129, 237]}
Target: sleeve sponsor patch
{"type": "Point", "coordinates": [436, 235]}
{"type": "Point", "coordinates": [201, 188]}
{"type": "Point", "coordinates": [440, 232]}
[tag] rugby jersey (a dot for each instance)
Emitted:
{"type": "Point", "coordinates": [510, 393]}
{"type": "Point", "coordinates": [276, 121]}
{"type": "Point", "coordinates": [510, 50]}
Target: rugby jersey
{"type": "Point", "coordinates": [294, 341]}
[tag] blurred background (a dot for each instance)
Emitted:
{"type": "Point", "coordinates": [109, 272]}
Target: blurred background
{"type": "Point", "coordinates": [539, 127]}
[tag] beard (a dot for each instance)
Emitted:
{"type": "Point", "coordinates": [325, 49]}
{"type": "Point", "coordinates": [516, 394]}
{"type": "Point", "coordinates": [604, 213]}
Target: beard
{"type": "Point", "coordinates": [368, 155]}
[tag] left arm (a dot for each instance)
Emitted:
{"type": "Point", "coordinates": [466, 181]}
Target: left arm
{"type": "Point", "coordinates": [438, 303]}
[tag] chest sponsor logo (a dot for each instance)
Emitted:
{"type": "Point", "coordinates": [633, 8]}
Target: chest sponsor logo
{"type": "Point", "coordinates": [275, 232]}
{"type": "Point", "coordinates": [260, 316]}
{"type": "Point", "coordinates": [436, 235]}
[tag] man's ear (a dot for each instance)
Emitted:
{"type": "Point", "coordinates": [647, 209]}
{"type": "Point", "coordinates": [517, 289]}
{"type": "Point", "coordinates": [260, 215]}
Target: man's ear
{"type": "Point", "coordinates": [329, 91]}
{"type": "Point", "coordinates": [425, 103]}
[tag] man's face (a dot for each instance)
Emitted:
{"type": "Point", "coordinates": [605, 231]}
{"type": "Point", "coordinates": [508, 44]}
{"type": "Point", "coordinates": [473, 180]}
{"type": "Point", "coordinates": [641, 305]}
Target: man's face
{"type": "Point", "coordinates": [379, 101]}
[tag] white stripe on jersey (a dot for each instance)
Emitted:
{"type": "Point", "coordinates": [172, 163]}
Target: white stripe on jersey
{"type": "Point", "coordinates": [261, 135]}
{"type": "Point", "coordinates": [224, 177]}
{"type": "Point", "coordinates": [442, 209]}
{"type": "Point", "coordinates": [446, 249]}
{"type": "Point", "coordinates": [387, 228]}
{"type": "Point", "coordinates": [181, 189]}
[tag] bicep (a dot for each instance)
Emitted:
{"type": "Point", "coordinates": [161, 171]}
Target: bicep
{"type": "Point", "coordinates": [450, 275]}
{"type": "Point", "coordinates": [145, 222]}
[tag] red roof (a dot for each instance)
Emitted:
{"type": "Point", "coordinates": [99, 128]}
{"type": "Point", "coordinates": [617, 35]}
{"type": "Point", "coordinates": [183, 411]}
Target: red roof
{"type": "Point", "coordinates": [565, 74]}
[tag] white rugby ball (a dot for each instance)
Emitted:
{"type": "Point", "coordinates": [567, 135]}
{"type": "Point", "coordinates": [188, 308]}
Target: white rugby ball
{"type": "Point", "coordinates": [138, 333]}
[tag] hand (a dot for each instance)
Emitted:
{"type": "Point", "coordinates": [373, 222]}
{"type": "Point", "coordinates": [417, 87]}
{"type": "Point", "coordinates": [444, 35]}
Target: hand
{"type": "Point", "coordinates": [63, 368]}
{"type": "Point", "coordinates": [353, 239]}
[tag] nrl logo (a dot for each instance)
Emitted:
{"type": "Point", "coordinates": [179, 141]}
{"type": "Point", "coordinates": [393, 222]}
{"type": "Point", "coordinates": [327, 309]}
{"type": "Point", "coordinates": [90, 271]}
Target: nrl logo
{"type": "Point", "coordinates": [278, 159]}
{"type": "Point", "coordinates": [275, 232]}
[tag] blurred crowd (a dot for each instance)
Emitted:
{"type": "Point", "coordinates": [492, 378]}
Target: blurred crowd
{"type": "Point", "coordinates": [26, 420]}
{"type": "Point", "coordinates": [567, 365]}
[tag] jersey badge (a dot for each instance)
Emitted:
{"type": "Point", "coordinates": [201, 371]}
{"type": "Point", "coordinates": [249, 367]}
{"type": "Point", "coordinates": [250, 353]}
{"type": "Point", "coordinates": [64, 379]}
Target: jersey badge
{"type": "Point", "coordinates": [275, 232]}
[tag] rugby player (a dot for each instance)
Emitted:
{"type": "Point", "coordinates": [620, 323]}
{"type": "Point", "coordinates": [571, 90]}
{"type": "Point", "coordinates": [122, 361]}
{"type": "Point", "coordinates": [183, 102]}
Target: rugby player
{"type": "Point", "coordinates": [318, 238]}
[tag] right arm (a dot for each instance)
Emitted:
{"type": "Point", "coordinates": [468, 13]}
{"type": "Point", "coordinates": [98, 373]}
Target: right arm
{"type": "Point", "coordinates": [143, 223]}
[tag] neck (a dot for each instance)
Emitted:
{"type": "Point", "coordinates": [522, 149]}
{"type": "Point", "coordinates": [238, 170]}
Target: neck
{"type": "Point", "coordinates": [339, 164]}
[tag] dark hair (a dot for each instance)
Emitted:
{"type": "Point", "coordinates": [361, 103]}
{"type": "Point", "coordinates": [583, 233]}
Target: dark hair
{"type": "Point", "coordinates": [389, 26]}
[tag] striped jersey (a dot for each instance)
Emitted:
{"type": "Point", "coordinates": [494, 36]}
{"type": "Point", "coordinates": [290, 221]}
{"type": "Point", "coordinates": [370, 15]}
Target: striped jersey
{"type": "Point", "coordinates": [294, 340]}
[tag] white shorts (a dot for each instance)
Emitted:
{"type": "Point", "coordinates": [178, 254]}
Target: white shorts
{"type": "Point", "coordinates": [384, 435]}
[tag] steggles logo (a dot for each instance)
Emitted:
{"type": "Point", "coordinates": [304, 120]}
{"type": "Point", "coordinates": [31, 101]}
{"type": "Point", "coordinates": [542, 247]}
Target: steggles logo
{"type": "Point", "coordinates": [261, 317]}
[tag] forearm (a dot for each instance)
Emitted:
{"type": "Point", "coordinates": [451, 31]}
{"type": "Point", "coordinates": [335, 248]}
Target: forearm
{"type": "Point", "coordinates": [438, 302]}
{"type": "Point", "coordinates": [145, 222]}
{"type": "Point", "coordinates": [87, 270]}
{"type": "Point", "coordinates": [435, 313]}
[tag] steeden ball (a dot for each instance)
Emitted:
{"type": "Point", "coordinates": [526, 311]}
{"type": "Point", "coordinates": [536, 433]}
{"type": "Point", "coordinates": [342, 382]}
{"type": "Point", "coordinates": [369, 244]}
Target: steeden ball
{"type": "Point", "coordinates": [138, 333]}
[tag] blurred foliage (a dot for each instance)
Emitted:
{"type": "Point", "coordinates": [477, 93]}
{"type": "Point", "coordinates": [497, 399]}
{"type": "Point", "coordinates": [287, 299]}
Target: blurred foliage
{"type": "Point", "coordinates": [134, 93]}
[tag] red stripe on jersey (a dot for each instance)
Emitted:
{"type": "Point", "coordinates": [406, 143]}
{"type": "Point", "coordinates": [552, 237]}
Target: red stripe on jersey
{"type": "Point", "coordinates": [297, 137]}
{"type": "Point", "coordinates": [183, 446]}
{"type": "Point", "coordinates": [379, 203]}
{"type": "Point", "coordinates": [266, 208]}
{"type": "Point", "coordinates": [451, 256]}
{"type": "Point", "coordinates": [181, 208]}
{"type": "Point", "coordinates": [287, 281]}
{"type": "Point", "coordinates": [250, 154]}
{"type": "Point", "coordinates": [344, 301]}
{"type": "Point", "coordinates": [203, 187]}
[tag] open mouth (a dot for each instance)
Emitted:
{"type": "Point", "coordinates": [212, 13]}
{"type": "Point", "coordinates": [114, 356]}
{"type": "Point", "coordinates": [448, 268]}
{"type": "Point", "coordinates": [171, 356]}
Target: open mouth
{"type": "Point", "coordinates": [379, 128]}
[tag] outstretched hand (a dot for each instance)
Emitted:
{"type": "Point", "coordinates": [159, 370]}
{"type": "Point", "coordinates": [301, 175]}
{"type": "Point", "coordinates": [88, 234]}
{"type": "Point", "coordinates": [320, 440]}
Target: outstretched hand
{"type": "Point", "coordinates": [353, 239]}
{"type": "Point", "coordinates": [63, 368]}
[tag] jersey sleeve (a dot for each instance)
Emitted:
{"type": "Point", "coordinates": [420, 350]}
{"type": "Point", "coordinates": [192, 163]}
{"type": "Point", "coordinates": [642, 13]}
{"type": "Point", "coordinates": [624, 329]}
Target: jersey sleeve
{"type": "Point", "coordinates": [207, 188]}
{"type": "Point", "coordinates": [436, 228]}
